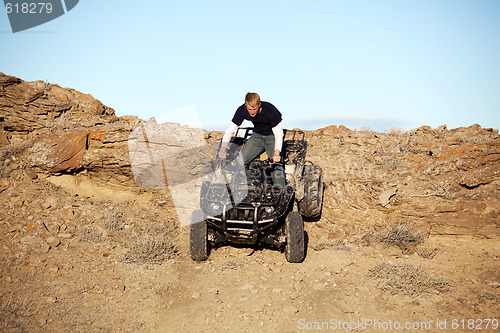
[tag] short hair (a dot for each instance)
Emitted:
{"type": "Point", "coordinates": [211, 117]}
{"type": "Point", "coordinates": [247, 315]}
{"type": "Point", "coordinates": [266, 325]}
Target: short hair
{"type": "Point", "coordinates": [253, 99]}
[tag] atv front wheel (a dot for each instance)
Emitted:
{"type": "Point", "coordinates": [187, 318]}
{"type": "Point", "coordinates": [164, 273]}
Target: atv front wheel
{"type": "Point", "coordinates": [295, 246]}
{"type": "Point", "coordinates": [198, 236]}
{"type": "Point", "coordinates": [312, 202]}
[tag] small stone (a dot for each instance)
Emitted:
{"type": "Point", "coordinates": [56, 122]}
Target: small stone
{"type": "Point", "coordinates": [319, 286]}
{"type": "Point", "coordinates": [42, 321]}
{"type": "Point", "coordinates": [246, 286]}
{"type": "Point", "coordinates": [364, 290]}
{"type": "Point", "coordinates": [51, 299]}
{"type": "Point", "coordinates": [276, 290]}
{"type": "Point", "coordinates": [30, 173]}
{"type": "Point", "coordinates": [119, 287]}
{"type": "Point", "coordinates": [348, 310]}
{"type": "Point", "coordinates": [290, 309]}
{"type": "Point", "coordinates": [65, 235]}
{"type": "Point", "coordinates": [45, 248]}
{"type": "Point", "coordinates": [134, 285]}
{"type": "Point", "coordinates": [338, 270]}
{"type": "Point", "coordinates": [51, 240]}
{"type": "Point", "coordinates": [53, 228]}
{"type": "Point", "coordinates": [50, 202]}
{"type": "Point", "coordinates": [67, 266]}
{"type": "Point", "coordinates": [385, 197]}
{"type": "Point", "coordinates": [68, 214]}
{"type": "Point", "coordinates": [213, 291]}
{"type": "Point", "coordinates": [196, 295]}
{"type": "Point", "coordinates": [258, 308]}
{"type": "Point", "coordinates": [52, 268]}
{"type": "Point", "coordinates": [394, 251]}
{"type": "Point", "coordinates": [254, 291]}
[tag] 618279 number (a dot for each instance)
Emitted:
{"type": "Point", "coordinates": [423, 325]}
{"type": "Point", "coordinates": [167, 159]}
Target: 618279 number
{"type": "Point", "coordinates": [29, 8]}
{"type": "Point", "coordinates": [474, 324]}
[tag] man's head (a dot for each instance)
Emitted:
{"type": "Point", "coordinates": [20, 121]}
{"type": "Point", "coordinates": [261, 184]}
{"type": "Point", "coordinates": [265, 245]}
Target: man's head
{"type": "Point", "coordinates": [252, 102]}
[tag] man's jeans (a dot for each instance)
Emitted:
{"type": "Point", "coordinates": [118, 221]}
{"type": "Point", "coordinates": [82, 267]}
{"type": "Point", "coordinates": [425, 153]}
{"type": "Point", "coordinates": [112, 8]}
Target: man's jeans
{"type": "Point", "coordinates": [255, 146]}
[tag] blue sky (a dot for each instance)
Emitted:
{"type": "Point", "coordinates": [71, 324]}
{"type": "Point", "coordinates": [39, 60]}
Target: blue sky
{"type": "Point", "coordinates": [363, 64]}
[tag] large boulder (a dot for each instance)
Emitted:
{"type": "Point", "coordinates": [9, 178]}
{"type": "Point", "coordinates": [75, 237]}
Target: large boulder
{"type": "Point", "coordinates": [29, 106]}
{"type": "Point", "coordinates": [63, 130]}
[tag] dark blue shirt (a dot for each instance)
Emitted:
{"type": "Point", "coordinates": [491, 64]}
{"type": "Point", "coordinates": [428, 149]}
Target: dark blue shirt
{"type": "Point", "coordinates": [263, 122]}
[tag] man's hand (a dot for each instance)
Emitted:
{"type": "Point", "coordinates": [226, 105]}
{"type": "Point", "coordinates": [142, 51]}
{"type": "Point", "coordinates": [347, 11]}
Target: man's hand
{"type": "Point", "coordinates": [223, 153]}
{"type": "Point", "coordinates": [276, 157]}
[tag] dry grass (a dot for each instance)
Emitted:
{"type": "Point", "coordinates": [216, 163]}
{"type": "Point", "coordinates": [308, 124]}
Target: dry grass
{"type": "Point", "coordinates": [407, 279]}
{"type": "Point", "coordinates": [334, 243]}
{"type": "Point", "coordinates": [444, 190]}
{"type": "Point", "coordinates": [396, 131]}
{"type": "Point", "coordinates": [403, 237]}
{"type": "Point", "coordinates": [426, 251]}
{"type": "Point", "coordinates": [114, 223]}
{"type": "Point", "coordinates": [90, 233]}
{"type": "Point", "coordinates": [155, 247]}
{"type": "Point", "coordinates": [11, 157]}
{"type": "Point", "coordinates": [230, 265]}
{"type": "Point", "coordinates": [491, 296]}
{"type": "Point", "coordinates": [18, 306]}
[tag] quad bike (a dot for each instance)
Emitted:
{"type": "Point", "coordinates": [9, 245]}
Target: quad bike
{"type": "Point", "coordinates": [240, 204]}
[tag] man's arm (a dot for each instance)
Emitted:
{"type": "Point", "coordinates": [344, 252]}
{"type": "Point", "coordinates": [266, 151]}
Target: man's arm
{"type": "Point", "coordinates": [278, 142]}
{"type": "Point", "coordinates": [231, 129]}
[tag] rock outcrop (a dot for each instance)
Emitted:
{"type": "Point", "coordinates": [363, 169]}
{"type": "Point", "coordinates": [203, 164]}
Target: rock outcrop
{"type": "Point", "coordinates": [442, 181]}
{"type": "Point", "coordinates": [30, 106]}
{"type": "Point", "coordinates": [63, 130]}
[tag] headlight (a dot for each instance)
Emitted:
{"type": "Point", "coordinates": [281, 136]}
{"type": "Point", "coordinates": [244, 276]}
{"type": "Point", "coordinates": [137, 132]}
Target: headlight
{"type": "Point", "coordinates": [215, 208]}
{"type": "Point", "coordinates": [269, 209]}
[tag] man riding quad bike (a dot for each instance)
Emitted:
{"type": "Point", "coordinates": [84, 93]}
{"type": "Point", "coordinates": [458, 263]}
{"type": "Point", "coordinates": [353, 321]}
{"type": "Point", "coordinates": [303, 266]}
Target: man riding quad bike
{"type": "Point", "coordinates": [242, 203]}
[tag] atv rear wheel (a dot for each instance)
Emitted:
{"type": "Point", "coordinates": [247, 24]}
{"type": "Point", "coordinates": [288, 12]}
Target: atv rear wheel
{"type": "Point", "coordinates": [198, 236]}
{"type": "Point", "coordinates": [312, 202]}
{"type": "Point", "coordinates": [295, 242]}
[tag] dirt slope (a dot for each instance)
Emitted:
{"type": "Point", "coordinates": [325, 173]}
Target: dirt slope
{"type": "Point", "coordinates": [408, 235]}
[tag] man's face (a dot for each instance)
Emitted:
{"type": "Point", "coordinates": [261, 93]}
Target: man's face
{"type": "Point", "coordinates": [253, 110]}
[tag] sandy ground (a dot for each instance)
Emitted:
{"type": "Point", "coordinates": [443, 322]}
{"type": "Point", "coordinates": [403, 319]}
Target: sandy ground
{"type": "Point", "coordinates": [84, 284]}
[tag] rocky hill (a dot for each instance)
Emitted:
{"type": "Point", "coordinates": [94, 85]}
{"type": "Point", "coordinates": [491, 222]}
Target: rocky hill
{"type": "Point", "coordinates": [83, 246]}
